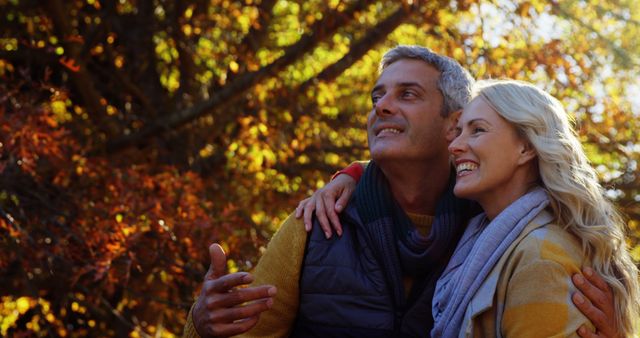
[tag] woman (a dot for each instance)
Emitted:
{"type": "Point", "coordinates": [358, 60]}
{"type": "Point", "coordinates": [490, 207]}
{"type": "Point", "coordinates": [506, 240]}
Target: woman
{"type": "Point", "coordinates": [545, 216]}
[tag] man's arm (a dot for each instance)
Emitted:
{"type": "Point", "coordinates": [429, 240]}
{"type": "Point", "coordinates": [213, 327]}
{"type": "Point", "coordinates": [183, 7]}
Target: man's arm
{"type": "Point", "coordinates": [598, 304]}
{"type": "Point", "coordinates": [224, 313]}
{"type": "Point", "coordinates": [224, 308]}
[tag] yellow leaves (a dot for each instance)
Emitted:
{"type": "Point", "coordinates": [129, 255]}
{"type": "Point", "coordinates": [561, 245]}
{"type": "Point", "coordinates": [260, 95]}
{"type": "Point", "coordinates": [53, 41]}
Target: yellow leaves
{"type": "Point", "coordinates": [188, 13]}
{"type": "Point", "coordinates": [232, 267]}
{"type": "Point", "coordinates": [635, 254]}
{"type": "Point", "coordinates": [458, 53]}
{"type": "Point", "coordinates": [23, 304]}
{"type": "Point", "coordinates": [206, 151]}
{"type": "Point", "coordinates": [8, 44]}
{"type": "Point", "coordinates": [332, 158]}
{"type": "Point", "coordinates": [303, 159]}
{"type": "Point", "coordinates": [233, 66]}
{"type": "Point", "coordinates": [13, 309]}
{"type": "Point", "coordinates": [59, 110]}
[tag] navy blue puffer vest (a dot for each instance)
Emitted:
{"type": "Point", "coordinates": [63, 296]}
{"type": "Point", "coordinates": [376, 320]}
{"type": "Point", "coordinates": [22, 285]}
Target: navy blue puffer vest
{"type": "Point", "coordinates": [344, 291]}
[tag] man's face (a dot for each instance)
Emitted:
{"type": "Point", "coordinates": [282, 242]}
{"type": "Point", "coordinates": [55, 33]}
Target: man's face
{"type": "Point", "coordinates": [405, 123]}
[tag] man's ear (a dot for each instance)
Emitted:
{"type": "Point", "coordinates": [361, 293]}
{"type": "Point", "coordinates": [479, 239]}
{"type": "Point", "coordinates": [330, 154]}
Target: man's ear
{"type": "Point", "coordinates": [452, 124]}
{"type": "Point", "coordinates": [527, 152]}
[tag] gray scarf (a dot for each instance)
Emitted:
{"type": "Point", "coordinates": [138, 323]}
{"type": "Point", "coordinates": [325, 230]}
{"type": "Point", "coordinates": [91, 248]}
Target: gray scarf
{"type": "Point", "coordinates": [478, 251]}
{"type": "Point", "coordinates": [403, 251]}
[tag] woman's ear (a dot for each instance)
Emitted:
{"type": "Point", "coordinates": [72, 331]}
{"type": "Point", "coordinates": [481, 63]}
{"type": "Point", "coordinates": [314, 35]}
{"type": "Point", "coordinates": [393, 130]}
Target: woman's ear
{"type": "Point", "coordinates": [452, 124]}
{"type": "Point", "coordinates": [527, 152]}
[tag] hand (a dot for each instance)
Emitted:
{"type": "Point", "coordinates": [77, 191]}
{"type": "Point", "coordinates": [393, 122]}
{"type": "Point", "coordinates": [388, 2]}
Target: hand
{"type": "Point", "coordinates": [222, 309]}
{"type": "Point", "coordinates": [598, 305]}
{"type": "Point", "coordinates": [340, 188]}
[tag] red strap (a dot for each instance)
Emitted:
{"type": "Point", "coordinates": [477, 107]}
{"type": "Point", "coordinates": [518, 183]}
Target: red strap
{"type": "Point", "coordinates": [354, 170]}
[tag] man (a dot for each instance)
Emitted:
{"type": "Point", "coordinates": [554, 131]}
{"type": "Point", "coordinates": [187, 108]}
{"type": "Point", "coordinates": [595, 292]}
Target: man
{"type": "Point", "coordinates": [399, 230]}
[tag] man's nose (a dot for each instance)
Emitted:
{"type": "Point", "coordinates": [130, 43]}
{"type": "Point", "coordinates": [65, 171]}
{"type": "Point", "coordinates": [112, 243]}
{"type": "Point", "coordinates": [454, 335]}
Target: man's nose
{"type": "Point", "coordinates": [385, 105]}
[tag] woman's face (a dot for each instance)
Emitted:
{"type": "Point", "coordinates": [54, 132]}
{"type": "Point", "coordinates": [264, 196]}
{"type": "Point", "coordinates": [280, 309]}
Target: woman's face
{"type": "Point", "coordinates": [492, 161]}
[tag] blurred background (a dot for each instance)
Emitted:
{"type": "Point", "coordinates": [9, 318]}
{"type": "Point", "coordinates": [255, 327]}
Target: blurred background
{"type": "Point", "coordinates": [134, 133]}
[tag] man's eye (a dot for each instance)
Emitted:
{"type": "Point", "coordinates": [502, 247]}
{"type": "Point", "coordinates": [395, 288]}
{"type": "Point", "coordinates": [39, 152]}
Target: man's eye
{"type": "Point", "coordinates": [408, 94]}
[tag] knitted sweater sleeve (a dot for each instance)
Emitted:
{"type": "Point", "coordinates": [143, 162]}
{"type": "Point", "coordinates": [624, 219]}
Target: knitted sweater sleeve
{"type": "Point", "coordinates": [280, 266]}
{"type": "Point", "coordinates": [355, 170]}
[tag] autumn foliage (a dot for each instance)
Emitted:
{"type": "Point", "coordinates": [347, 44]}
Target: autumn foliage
{"type": "Point", "coordinates": [135, 133]}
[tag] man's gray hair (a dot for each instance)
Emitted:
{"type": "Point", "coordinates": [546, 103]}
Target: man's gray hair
{"type": "Point", "coordinates": [455, 83]}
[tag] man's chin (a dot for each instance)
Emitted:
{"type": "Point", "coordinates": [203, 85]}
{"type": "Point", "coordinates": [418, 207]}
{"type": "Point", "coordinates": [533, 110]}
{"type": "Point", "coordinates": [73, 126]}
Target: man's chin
{"type": "Point", "coordinates": [386, 156]}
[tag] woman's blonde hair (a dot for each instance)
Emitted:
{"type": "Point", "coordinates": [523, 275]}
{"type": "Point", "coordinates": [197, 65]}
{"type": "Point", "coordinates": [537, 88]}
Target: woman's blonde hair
{"type": "Point", "coordinates": [577, 198]}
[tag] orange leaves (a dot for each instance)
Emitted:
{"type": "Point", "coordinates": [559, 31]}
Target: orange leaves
{"type": "Point", "coordinates": [69, 63]}
{"type": "Point", "coordinates": [31, 136]}
{"type": "Point", "coordinates": [128, 232]}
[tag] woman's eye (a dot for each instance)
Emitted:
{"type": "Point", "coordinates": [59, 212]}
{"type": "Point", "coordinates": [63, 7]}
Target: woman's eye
{"type": "Point", "coordinates": [478, 130]}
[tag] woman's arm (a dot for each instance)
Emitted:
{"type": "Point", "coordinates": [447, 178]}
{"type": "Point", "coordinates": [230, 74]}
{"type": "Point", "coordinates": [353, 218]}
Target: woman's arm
{"type": "Point", "coordinates": [330, 200]}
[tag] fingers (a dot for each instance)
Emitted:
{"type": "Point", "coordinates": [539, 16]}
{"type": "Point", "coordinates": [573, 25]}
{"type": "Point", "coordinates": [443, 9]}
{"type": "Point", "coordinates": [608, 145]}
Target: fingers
{"type": "Point", "coordinates": [300, 208]}
{"type": "Point", "coordinates": [584, 332]}
{"type": "Point", "coordinates": [236, 320]}
{"type": "Point", "coordinates": [330, 210]}
{"type": "Point", "coordinates": [232, 314]}
{"type": "Point", "coordinates": [234, 297]}
{"type": "Point", "coordinates": [597, 280]}
{"type": "Point", "coordinates": [238, 327]}
{"type": "Point", "coordinates": [308, 211]}
{"type": "Point", "coordinates": [343, 187]}
{"type": "Point", "coordinates": [321, 215]}
{"type": "Point", "coordinates": [343, 199]}
{"type": "Point", "coordinates": [598, 293]}
{"type": "Point", "coordinates": [225, 283]}
{"type": "Point", "coordinates": [218, 262]}
{"type": "Point", "coordinates": [597, 317]}
{"type": "Point", "coordinates": [599, 306]}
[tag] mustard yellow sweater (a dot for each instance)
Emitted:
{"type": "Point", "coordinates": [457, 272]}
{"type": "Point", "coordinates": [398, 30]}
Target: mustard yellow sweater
{"type": "Point", "coordinates": [280, 266]}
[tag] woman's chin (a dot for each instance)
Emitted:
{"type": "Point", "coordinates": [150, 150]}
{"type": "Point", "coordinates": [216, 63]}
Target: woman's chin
{"type": "Point", "coordinates": [462, 191]}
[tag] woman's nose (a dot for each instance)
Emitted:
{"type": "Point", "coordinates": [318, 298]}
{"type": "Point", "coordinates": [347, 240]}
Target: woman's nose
{"type": "Point", "coordinates": [458, 145]}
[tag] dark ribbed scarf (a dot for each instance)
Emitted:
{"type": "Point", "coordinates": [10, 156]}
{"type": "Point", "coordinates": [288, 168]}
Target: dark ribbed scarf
{"type": "Point", "coordinates": [402, 250]}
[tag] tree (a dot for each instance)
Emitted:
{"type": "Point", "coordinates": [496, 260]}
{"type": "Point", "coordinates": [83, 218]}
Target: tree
{"type": "Point", "coordinates": [135, 133]}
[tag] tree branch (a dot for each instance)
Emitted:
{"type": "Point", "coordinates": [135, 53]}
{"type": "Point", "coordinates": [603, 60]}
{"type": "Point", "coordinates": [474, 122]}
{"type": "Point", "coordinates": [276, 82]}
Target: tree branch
{"type": "Point", "coordinates": [619, 52]}
{"type": "Point", "coordinates": [220, 100]}
{"type": "Point", "coordinates": [374, 35]}
{"type": "Point", "coordinates": [258, 32]}
{"type": "Point", "coordinates": [37, 56]}
{"type": "Point", "coordinates": [253, 39]}
{"type": "Point", "coordinates": [81, 78]}
{"type": "Point", "coordinates": [186, 64]}
{"type": "Point", "coordinates": [135, 33]}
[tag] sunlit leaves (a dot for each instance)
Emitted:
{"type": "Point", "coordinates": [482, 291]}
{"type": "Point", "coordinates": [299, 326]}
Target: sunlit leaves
{"type": "Point", "coordinates": [126, 232]}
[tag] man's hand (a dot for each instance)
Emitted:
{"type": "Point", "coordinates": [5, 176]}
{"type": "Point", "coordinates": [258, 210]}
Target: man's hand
{"type": "Point", "coordinates": [598, 304]}
{"type": "Point", "coordinates": [327, 202]}
{"type": "Point", "coordinates": [223, 309]}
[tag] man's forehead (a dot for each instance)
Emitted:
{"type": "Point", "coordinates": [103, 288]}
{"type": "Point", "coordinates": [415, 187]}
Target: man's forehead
{"type": "Point", "coordinates": [408, 71]}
